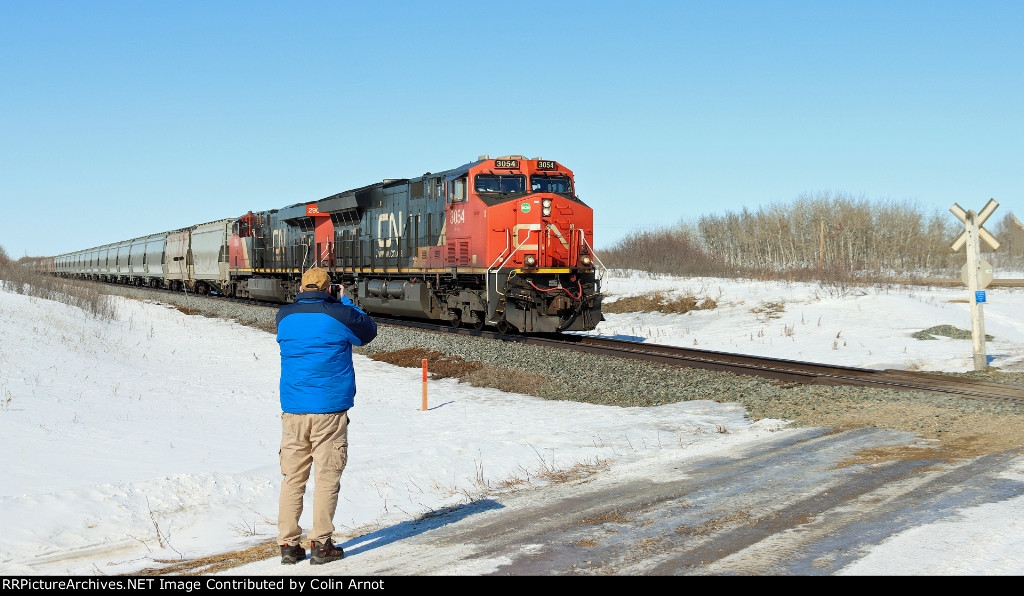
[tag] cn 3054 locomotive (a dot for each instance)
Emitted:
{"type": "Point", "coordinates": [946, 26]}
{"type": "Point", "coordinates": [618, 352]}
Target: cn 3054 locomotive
{"type": "Point", "coordinates": [503, 242]}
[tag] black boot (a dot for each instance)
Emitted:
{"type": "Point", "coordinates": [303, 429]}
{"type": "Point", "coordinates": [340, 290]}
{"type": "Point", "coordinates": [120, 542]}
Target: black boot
{"type": "Point", "coordinates": [291, 555]}
{"type": "Point", "coordinates": [324, 552]}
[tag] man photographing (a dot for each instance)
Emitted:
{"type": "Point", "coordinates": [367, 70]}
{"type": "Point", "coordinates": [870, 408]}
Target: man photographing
{"type": "Point", "coordinates": [316, 334]}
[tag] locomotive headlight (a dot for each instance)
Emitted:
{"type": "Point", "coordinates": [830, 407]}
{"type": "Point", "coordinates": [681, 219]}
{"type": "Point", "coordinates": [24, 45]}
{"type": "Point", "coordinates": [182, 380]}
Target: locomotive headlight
{"type": "Point", "coordinates": [530, 260]}
{"type": "Point", "coordinates": [545, 207]}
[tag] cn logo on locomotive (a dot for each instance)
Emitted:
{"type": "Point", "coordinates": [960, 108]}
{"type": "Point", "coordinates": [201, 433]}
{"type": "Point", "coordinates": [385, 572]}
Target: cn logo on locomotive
{"type": "Point", "coordinates": [388, 227]}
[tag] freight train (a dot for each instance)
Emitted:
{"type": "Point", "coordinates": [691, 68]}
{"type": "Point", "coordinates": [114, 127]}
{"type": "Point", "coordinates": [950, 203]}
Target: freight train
{"type": "Point", "coordinates": [502, 242]}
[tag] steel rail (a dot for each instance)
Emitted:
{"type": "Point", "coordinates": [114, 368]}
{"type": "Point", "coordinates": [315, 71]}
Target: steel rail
{"type": "Point", "coordinates": [830, 374]}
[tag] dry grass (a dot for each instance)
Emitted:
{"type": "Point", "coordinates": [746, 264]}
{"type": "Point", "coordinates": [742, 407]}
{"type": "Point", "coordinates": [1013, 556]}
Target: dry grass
{"type": "Point", "coordinates": [503, 379]}
{"type": "Point", "coordinates": [769, 310]}
{"type": "Point", "coordinates": [439, 365]}
{"type": "Point", "coordinates": [215, 563]}
{"type": "Point", "coordinates": [659, 302]}
{"type": "Point", "coordinates": [478, 374]}
{"type": "Point", "coordinates": [86, 296]}
{"type": "Point", "coordinates": [577, 471]}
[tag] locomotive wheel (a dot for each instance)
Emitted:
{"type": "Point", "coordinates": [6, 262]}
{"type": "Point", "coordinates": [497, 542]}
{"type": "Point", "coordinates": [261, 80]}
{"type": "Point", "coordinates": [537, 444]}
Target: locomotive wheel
{"type": "Point", "coordinates": [479, 324]}
{"type": "Point", "coordinates": [504, 327]}
{"type": "Point", "coordinates": [456, 320]}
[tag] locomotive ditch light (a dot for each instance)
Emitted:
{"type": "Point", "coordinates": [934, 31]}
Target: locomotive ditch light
{"type": "Point", "coordinates": [585, 259]}
{"type": "Point", "coordinates": [530, 260]}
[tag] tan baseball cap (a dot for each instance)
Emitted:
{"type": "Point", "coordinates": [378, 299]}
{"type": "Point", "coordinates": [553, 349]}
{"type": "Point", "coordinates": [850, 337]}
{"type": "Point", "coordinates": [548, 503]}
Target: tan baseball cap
{"type": "Point", "coordinates": [315, 279]}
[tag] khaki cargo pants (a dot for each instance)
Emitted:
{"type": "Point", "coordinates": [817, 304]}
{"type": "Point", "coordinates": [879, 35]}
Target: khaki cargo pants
{"type": "Point", "coordinates": [319, 441]}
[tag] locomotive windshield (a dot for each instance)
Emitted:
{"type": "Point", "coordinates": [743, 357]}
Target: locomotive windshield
{"type": "Point", "coordinates": [556, 184]}
{"type": "Point", "coordinates": [504, 183]}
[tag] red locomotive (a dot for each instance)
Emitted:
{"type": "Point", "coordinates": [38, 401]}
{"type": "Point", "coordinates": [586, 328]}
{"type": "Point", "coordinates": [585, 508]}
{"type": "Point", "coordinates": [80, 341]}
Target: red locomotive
{"type": "Point", "coordinates": [503, 242]}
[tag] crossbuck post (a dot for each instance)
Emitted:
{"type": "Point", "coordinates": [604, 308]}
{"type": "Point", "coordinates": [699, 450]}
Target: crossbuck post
{"type": "Point", "coordinates": [972, 237]}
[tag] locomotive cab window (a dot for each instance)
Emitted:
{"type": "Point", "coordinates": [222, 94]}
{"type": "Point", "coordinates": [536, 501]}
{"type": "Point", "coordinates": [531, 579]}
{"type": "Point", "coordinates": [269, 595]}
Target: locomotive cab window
{"type": "Point", "coordinates": [555, 184]}
{"type": "Point", "coordinates": [500, 183]}
{"type": "Point", "coordinates": [457, 190]}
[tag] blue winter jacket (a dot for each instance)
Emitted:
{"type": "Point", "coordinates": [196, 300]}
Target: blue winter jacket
{"type": "Point", "coordinates": [316, 334]}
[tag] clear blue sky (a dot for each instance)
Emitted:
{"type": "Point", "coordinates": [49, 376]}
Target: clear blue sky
{"type": "Point", "coordinates": [119, 119]}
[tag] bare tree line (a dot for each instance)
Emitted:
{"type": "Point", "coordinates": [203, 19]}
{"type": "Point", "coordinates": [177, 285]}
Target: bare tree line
{"type": "Point", "coordinates": [816, 235]}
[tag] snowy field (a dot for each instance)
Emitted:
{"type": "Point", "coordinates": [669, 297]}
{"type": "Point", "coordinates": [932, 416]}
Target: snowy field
{"type": "Point", "coordinates": [136, 440]}
{"type": "Point", "coordinates": [863, 327]}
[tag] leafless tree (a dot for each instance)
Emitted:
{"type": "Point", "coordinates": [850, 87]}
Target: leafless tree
{"type": "Point", "coordinates": [823, 234]}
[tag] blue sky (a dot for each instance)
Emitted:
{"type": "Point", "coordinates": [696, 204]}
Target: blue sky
{"type": "Point", "coordinates": [119, 119]}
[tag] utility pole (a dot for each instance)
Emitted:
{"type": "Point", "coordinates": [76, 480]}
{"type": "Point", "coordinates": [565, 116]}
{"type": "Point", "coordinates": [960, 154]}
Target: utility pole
{"type": "Point", "coordinates": [977, 274]}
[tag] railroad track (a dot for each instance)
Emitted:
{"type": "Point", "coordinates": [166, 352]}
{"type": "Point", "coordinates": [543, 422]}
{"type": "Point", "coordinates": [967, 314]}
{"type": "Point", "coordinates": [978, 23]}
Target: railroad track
{"type": "Point", "coordinates": [786, 371]}
{"type": "Point", "coordinates": [955, 283]}
{"type": "Point", "coordinates": [783, 371]}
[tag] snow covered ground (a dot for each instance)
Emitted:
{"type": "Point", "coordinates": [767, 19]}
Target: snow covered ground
{"type": "Point", "coordinates": [134, 440]}
{"type": "Point", "coordinates": [851, 326]}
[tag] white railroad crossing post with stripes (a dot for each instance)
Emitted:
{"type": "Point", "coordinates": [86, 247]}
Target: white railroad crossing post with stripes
{"type": "Point", "coordinates": [976, 279]}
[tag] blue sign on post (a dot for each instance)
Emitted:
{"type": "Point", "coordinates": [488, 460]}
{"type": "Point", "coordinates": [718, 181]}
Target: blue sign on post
{"type": "Point", "coordinates": [979, 296]}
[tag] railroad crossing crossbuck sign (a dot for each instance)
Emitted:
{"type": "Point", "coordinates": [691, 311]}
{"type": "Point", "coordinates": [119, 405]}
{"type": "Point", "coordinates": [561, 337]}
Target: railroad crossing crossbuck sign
{"type": "Point", "coordinates": [977, 272]}
{"type": "Point", "coordinates": [979, 218]}
{"type": "Point", "coordinates": [981, 268]}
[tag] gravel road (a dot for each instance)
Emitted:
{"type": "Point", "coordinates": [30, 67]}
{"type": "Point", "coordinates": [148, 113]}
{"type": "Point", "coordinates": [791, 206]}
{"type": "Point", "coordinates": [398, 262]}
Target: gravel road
{"type": "Point", "coordinates": [794, 505]}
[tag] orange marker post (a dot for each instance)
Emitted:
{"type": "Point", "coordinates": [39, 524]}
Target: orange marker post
{"type": "Point", "coordinates": [424, 385]}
